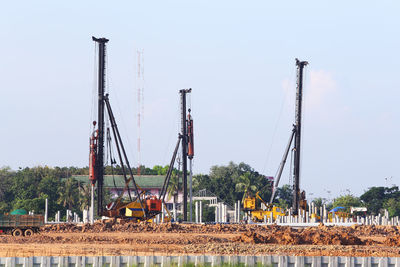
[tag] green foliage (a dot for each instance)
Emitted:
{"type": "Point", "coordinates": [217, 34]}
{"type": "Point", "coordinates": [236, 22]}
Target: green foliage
{"type": "Point", "coordinates": [36, 204]}
{"type": "Point", "coordinates": [393, 206]}
{"type": "Point", "coordinates": [376, 197]}
{"type": "Point", "coordinates": [245, 186]}
{"type": "Point", "coordinates": [284, 196]}
{"type": "Point", "coordinates": [347, 201]}
{"type": "Point", "coordinates": [29, 187]}
{"type": "Point", "coordinates": [281, 203]}
{"type": "Point", "coordinates": [233, 181]}
{"type": "Point", "coordinates": [319, 202]}
{"type": "Point", "coordinates": [68, 193]}
{"type": "Point", "coordinates": [160, 170]}
{"type": "Point", "coordinates": [173, 186]}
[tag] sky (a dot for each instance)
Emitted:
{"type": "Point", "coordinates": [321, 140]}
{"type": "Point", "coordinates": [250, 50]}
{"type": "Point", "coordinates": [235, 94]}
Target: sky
{"type": "Point", "coordinates": [239, 59]}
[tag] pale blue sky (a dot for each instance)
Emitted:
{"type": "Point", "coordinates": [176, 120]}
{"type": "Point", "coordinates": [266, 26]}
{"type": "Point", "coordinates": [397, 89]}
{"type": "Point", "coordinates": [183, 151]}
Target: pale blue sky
{"type": "Point", "coordinates": [239, 59]}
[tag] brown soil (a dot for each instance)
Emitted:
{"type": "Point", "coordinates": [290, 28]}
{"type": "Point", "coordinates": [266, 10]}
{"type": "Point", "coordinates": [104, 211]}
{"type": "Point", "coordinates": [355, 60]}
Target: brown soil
{"type": "Point", "coordinates": [113, 237]}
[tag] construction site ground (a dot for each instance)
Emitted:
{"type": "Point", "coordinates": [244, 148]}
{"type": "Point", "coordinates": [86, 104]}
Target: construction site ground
{"type": "Point", "coordinates": [119, 238]}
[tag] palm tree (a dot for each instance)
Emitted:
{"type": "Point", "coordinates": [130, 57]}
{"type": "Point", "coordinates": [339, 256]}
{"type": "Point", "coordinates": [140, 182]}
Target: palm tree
{"type": "Point", "coordinates": [173, 186]}
{"type": "Point", "coordinates": [84, 195]}
{"type": "Point", "coordinates": [245, 185]}
{"type": "Point", "coordinates": [68, 195]}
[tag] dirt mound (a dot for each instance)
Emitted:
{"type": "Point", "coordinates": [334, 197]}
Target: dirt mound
{"type": "Point", "coordinates": [392, 241]}
{"type": "Point", "coordinates": [301, 237]}
{"type": "Point", "coordinates": [250, 237]}
{"type": "Point", "coordinates": [124, 237]}
{"type": "Point", "coordinates": [251, 234]}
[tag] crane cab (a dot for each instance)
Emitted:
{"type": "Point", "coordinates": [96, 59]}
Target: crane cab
{"type": "Point", "coordinates": [153, 204]}
{"type": "Point", "coordinates": [249, 204]}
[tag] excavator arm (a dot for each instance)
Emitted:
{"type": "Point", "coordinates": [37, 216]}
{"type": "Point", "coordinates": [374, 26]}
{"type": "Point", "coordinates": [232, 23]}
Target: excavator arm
{"type": "Point", "coordinates": [262, 200]}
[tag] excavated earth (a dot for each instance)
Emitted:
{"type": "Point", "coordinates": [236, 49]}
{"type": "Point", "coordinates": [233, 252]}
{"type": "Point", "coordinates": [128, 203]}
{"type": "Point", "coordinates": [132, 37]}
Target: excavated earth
{"type": "Point", "coordinates": [113, 237]}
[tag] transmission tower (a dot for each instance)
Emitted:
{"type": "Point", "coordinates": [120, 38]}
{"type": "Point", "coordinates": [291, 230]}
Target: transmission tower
{"type": "Point", "coordinates": [140, 102]}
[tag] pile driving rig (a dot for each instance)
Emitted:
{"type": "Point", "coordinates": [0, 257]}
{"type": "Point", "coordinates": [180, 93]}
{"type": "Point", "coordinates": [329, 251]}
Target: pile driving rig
{"type": "Point", "coordinates": [140, 206]}
{"type": "Point", "coordinates": [299, 199]}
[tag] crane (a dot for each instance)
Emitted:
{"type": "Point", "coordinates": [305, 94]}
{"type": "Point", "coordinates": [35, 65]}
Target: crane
{"type": "Point", "coordinates": [141, 206]}
{"type": "Point", "coordinates": [298, 198]}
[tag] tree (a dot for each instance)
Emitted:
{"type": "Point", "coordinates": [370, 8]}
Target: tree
{"type": "Point", "coordinates": [173, 186]}
{"type": "Point", "coordinates": [6, 196]}
{"type": "Point", "coordinates": [84, 195]}
{"type": "Point", "coordinates": [284, 195]}
{"type": "Point", "coordinates": [282, 203]}
{"type": "Point", "coordinates": [68, 194]}
{"type": "Point", "coordinates": [375, 197]}
{"type": "Point", "coordinates": [393, 206]}
{"type": "Point", "coordinates": [347, 201]}
{"type": "Point", "coordinates": [319, 202]}
{"type": "Point", "coordinates": [222, 181]}
{"type": "Point", "coordinates": [245, 186]}
{"type": "Point", "coordinates": [35, 204]}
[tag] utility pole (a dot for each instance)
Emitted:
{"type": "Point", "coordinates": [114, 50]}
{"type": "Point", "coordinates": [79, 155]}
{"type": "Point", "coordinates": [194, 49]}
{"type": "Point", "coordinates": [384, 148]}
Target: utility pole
{"type": "Point", "coordinates": [183, 93]}
{"type": "Point", "coordinates": [297, 138]}
{"type": "Point", "coordinates": [99, 166]}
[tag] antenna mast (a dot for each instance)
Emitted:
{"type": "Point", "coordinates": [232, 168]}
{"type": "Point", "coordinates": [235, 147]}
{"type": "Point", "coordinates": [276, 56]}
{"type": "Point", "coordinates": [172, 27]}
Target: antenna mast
{"type": "Point", "coordinates": [140, 104]}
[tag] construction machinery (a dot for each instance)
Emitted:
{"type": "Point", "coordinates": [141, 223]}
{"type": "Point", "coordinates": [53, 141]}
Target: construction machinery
{"type": "Point", "coordinates": [299, 198]}
{"type": "Point", "coordinates": [140, 205]}
{"type": "Point", "coordinates": [250, 205]}
{"type": "Point", "coordinates": [21, 224]}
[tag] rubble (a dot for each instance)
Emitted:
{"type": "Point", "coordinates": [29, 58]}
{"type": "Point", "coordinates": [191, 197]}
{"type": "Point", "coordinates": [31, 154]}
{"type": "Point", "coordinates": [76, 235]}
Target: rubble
{"type": "Point", "coordinates": [119, 237]}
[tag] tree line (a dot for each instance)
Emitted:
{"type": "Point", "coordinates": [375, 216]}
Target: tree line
{"type": "Point", "coordinates": [27, 188]}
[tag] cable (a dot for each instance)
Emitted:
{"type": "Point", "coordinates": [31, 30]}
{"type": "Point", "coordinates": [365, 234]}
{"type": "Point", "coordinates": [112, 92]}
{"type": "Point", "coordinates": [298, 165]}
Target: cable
{"type": "Point", "coordinates": [304, 119]}
{"type": "Point", "coordinates": [286, 90]}
{"type": "Point", "coordinates": [112, 160]}
{"type": "Point", "coordinates": [171, 132]}
{"type": "Point", "coordinates": [94, 85]}
{"type": "Point", "coordinates": [291, 168]}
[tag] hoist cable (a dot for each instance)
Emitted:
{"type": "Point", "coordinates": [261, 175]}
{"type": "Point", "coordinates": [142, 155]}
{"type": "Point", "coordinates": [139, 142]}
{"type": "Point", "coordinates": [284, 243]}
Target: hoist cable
{"type": "Point", "coordinates": [303, 120]}
{"type": "Point", "coordinates": [94, 87]}
{"type": "Point", "coordinates": [112, 160]}
{"type": "Point", "coordinates": [291, 168]}
{"type": "Point", "coordinates": [284, 101]}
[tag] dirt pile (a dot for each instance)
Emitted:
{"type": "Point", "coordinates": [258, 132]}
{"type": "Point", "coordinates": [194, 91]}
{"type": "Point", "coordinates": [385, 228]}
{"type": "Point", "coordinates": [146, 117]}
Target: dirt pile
{"type": "Point", "coordinates": [322, 235]}
{"type": "Point", "coordinates": [308, 236]}
{"type": "Point", "coordinates": [118, 225]}
{"type": "Point", "coordinates": [392, 241]}
{"type": "Point", "coordinates": [118, 237]}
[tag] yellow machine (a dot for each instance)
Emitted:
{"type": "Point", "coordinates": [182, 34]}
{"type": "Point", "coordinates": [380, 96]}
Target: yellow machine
{"type": "Point", "coordinates": [249, 206]}
{"type": "Point", "coordinates": [342, 215]}
{"type": "Point", "coordinates": [134, 209]}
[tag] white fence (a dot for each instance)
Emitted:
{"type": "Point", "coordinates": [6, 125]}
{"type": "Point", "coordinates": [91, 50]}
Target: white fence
{"type": "Point", "coordinates": [129, 261]}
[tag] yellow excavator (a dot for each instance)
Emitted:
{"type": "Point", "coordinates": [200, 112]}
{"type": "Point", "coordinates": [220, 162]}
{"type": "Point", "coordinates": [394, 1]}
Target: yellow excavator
{"type": "Point", "coordinates": [257, 214]}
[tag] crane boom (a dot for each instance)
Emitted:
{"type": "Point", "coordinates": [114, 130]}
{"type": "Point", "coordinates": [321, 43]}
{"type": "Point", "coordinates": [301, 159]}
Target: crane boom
{"type": "Point", "coordinates": [297, 138]}
{"type": "Point", "coordinates": [281, 167]}
{"type": "Point", "coordinates": [99, 164]}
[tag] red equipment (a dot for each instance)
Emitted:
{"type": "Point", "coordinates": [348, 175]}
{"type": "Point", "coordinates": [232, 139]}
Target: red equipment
{"type": "Point", "coordinates": [92, 157]}
{"type": "Point", "coordinates": [190, 136]}
{"type": "Point", "coordinates": [153, 204]}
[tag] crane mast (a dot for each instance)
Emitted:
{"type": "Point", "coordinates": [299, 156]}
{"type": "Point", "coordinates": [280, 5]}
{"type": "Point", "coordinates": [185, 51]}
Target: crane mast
{"type": "Point", "coordinates": [297, 135]}
{"type": "Point", "coordinates": [143, 206]}
{"type": "Point", "coordinates": [183, 93]}
{"type": "Point", "coordinates": [99, 165]}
